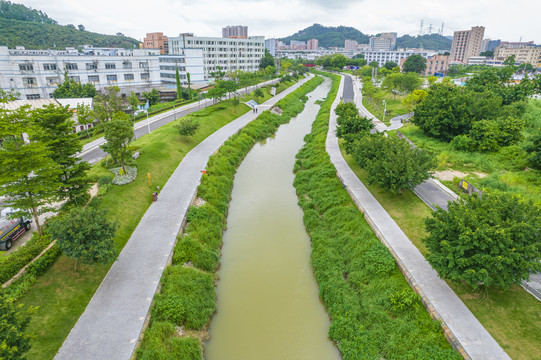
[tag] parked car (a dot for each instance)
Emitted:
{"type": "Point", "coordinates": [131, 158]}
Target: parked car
{"type": "Point", "coordinates": [12, 229]}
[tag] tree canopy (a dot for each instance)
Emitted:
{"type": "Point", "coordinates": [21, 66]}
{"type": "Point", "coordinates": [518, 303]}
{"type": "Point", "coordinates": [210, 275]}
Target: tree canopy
{"type": "Point", "coordinates": [266, 60]}
{"type": "Point", "coordinates": [118, 134]}
{"type": "Point", "coordinates": [14, 341]}
{"type": "Point", "coordinates": [490, 241]}
{"type": "Point", "coordinates": [414, 63]}
{"type": "Point", "coordinates": [351, 126]}
{"type": "Point", "coordinates": [70, 88]}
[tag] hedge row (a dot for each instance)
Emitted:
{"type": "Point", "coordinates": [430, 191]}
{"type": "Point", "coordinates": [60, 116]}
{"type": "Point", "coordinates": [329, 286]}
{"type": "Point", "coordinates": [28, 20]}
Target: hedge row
{"type": "Point", "coordinates": [12, 263]}
{"type": "Point", "coordinates": [374, 312]}
{"type": "Point", "coordinates": [188, 296]}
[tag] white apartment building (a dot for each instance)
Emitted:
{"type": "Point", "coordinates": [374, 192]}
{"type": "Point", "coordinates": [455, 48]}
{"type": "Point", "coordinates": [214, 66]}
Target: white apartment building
{"type": "Point", "coordinates": [270, 45]}
{"type": "Point", "coordinates": [383, 56]}
{"type": "Point", "coordinates": [226, 53]}
{"type": "Point", "coordinates": [35, 74]}
{"type": "Point", "coordinates": [189, 61]}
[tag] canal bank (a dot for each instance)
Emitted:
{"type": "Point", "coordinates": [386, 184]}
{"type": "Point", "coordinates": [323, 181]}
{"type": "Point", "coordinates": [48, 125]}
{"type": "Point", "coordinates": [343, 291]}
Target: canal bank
{"type": "Point", "coordinates": [268, 304]}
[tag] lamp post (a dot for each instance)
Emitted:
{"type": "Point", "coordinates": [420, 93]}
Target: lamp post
{"type": "Point", "coordinates": [384, 109]}
{"type": "Point", "coordinates": [148, 123]}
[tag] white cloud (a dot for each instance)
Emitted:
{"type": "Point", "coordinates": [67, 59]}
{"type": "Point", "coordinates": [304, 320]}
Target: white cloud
{"type": "Point", "coordinates": [281, 18]}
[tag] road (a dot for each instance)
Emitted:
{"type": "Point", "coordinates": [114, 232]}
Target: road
{"type": "Point", "coordinates": [92, 153]}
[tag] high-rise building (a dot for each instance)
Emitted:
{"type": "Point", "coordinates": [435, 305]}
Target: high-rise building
{"type": "Point", "coordinates": [156, 41]}
{"type": "Point", "coordinates": [312, 44]}
{"type": "Point", "coordinates": [467, 43]}
{"type": "Point", "coordinates": [235, 32]}
{"type": "Point", "coordinates": [270, 46]}
{"type": "Point", "coordinates": [297, 45]}
{"type": "Point", "coordinates": [383, 42]}
{"type": "Point", "coordinates": [350, 45]}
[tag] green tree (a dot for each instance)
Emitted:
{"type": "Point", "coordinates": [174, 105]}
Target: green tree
{"type": "Point", "coordinates": [187, 126]}
{"type": "Point", "coordinates": [414, 63]}
{"type": "Point", "coordinates": [258, 93]}
{"type": "Point", "coordinates": [413, 99]}
{"type": "Point", "coordinates": [84, 116]}
{"type": "Point", "coordinates": [189, 78]}
{"type": "Point", "coordinates": [373, 64]}
{"type": "Point", "coordinates": [55, 130]}
{"type": "Point", "coordinates": [351, 126]}
{"type": "Point", "coordinates": [390, 65]}
{"type": "Point", "coordinates": [107, 104]}
{"type": "Point", "coordinates": [118, 134]}
{"type": "Point", "coordinates": [266, 61]}
{"type": "Point", "coordinates": [534, 152]}
{"type": "Point", "coordinates": [235, 102]}
{"type": "Point", "coordinates": [392, 163]}
{"type": "Point", "coordinates": [432, 80]}
{"type": "Point", "coordinates": [85, 234]}
{"type": "Point", "coordinates": [14, 320]}
{"type": "Point", "coordinates": [70, 88]}
{"type": "Point", "coordinates": [31, 183]}
{"type": "Point", "coordinates": [489, 54]}
{"type": "Point", "coordinates": [490, 241]}
{"type": "Point", "coordinates": [134, 103]}
{"type": "Point", "coordinates": [152, 96]}
{"type": "Point", "coordinates": [448, 110]}
{"type": "Point", "coordinates": [510, 61]}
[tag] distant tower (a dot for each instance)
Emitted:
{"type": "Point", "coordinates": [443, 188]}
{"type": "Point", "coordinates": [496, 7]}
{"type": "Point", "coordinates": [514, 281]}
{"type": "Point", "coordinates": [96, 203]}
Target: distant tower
{"type": "Point", "coordinates": [430, 29]}
{"type": "Point", "coordinates": [421, 29]}
{"type": "Point", "coordinates": [441, 31]}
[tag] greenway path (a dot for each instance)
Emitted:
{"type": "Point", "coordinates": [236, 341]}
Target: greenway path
{"type": "Point", "coordinates": [111, 324]}
{"type": "Point", "coordinates": [92, 153]}
{"type": "Point", "coordinates": [466, 333]}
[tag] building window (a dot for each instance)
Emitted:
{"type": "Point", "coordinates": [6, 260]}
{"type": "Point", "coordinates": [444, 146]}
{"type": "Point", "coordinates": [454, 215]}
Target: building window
{"type": "Point", "coordinates": [91, 66]}
{"type": "Point", "coordinates": [128, 76]}
{"type": "Point", "coordinates": [71, 66]}
{"type": "Point", "coordinates": [145, 76]}
{"type": "Point", "coordinates": [49, 66]}
{"type": "Point", "coordinates": [143, 65]}
{"type": "Point", "coordinates": [93, 78]}
{"type": "Point", "coordinates": [74, 78]}
{"type": "Point", "coordinates": [26, 67]}
{"type": "Point", "coordinates": [111, 78]}
{"type": "Point", "coordinates": [52, 80]}
{"type": "Point", "coordinates": [29, 81]}
{"type": "Point", "coordinates": [32, 96]}
{"type": "Point", "coordinates": [126, 65]}
{"type": "Point", "coordinates": [110, 66]}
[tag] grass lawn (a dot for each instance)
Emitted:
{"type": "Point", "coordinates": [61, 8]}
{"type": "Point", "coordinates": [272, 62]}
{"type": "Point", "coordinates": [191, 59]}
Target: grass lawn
{"type": "Point", "coordinates": [394, 107]}
{"type": "Point", "coordinates": [512, 317]}
{"type": "Point", "coordinates": [250, 96]}
{"type": "Point", "coordinates": [63, 294]}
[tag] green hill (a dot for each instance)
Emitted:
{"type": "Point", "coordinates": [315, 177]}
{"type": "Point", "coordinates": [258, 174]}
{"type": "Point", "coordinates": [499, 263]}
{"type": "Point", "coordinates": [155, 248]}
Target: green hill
{"type": "Point", "coordinates": [328, 36]}
{"type": "Point", "coordinates": [33, 29]}
{"type": "Point", "coordinates": [430, 42]}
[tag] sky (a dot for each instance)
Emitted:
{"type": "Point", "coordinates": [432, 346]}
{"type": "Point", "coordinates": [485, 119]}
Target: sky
{"type": "Point", "coordinates": [502, 19]}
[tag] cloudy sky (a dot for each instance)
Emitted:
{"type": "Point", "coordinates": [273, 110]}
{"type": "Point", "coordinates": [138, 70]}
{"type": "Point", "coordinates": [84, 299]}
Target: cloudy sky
{"type": "Point", "coordinates": [278, 18]}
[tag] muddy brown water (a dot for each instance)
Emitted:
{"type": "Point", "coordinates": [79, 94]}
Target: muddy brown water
{"type": "Point", "coordinates": [268, 303]}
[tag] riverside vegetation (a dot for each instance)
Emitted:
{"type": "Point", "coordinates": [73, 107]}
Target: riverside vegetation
{"type": "Point", "coordinates": [374, 312]}
{"type": "Point", "coordinates": [188, 298]}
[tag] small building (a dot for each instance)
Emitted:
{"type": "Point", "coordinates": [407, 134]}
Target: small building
{"type": "Point", "coordinates": [437, 64]}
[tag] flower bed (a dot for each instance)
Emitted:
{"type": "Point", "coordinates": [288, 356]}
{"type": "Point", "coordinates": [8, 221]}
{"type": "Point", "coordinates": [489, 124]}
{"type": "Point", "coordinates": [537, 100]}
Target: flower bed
{"type": "Point", "coordinates": [123, 179]}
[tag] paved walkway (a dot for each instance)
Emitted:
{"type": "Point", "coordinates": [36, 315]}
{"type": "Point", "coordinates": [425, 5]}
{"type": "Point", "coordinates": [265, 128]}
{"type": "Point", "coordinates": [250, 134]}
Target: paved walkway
{"type": "Point", "coordinates": [111, 325]}
{"type": "Point", "coordinates": [470, 337]}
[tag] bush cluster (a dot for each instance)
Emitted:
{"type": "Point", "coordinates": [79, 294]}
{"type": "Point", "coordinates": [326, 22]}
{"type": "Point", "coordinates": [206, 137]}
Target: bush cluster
{"type": "Point", "coordinates": [374, 313]}
{"type": "Point", "coordinates": [123, 179]}
{"type": "Point", "coordinates": [188, 296]}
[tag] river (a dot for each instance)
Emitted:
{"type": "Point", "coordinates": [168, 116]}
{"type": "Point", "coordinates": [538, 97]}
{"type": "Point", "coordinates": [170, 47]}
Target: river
{"type": "Point", "coordinates": [268, 302]}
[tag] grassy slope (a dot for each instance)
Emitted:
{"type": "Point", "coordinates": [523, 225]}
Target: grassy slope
{"type": "Point", "coordinates": [513, 318]}
{"type": "Point", "coordinates": [61, 294]}
{"type": "Point", "coordinates": [394, 107]}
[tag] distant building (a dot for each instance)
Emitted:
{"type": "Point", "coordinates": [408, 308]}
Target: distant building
{"type": "Point", "coordinates": [515, 45]}
{"type": "Point", "coordinates": [350, 45]}
{"type": "Point", "coordinates": [477, 60]}
{"type": "Point", "coordinates": [523, 55]}
{"type": "Point", "coordinates": [270, 46]}
{"type": "Point", "coordinates": [489, 45]}
{"type": "Point", "coordinates": [383, 42]}
{"type": "Point", "coordinates": [297, 45]}
{"type": "Point", "coordinates": [229, 54]}
{"type": "Point", "coordinates": [235, 32]}
{"type": "Point", "coordinates": [383, 56]}
{"type": "Point", "coordinates": [312, 44]}
{"type": "Point", "coordinates": [437, 64]}
{"type": "Point", "coordinates": [467, 43]}
{"type": "Point", "coordinates": [156, 41]}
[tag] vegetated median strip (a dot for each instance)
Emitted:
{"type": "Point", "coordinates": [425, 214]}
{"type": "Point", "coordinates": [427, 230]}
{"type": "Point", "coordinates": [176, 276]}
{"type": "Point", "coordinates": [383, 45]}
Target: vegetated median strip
{"type": "Point", "coordinates": [110, 329]}
{"type": "Point", "coordinates": [187, 299]}
{"type": "Point", "coordinates": [464, 331]}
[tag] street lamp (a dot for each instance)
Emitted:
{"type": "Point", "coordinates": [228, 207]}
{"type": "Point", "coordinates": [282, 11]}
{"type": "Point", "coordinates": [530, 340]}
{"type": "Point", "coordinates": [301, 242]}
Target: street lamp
{"type": "Point", "coordinates": [384, 109]}
{"type": "Point", "coordinates": [148, 123]}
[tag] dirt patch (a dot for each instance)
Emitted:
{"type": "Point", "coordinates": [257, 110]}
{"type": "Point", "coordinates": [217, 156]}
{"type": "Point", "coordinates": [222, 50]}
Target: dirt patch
{"type": "Point", "coordinates": [276, 110]}
{"type": "Point", "coordinates": [202, 335]}
{"type": "Point", "coordinates": [449, 175]}
{"type": "Point", "coordinates": [93, 190]}
{"type": "Point", "coordinates": [198, 202]}
{"type": "Point", "coordinates": [480, 174]}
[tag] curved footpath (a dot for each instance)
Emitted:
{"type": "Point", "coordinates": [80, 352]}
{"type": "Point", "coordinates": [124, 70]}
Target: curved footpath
{"type": "Point", "coordinates": [112, 322]}
{"type": "Point", "coordinates": [463, 330]}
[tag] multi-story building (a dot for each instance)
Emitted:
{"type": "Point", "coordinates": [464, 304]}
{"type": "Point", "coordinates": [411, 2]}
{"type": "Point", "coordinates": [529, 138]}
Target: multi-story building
{"type": "Point", "coordinates": [189, 61]}
{"type": "Point", "coordinates": [489, 45]}
{"type": "Point", "coordinates": [515, 44]}
{"type": "Point", "coordinates": [270, 46]}
{"type": "Point", "coordinates": [35, 74]}
{"type": "Point", "coordinates": [297, 45]}
{"type": "Point", "coordinates": [467, 43]}
{"type": "Point", "coordinates": [235, 32]}
{"type": "Point", "coordinates": [523, 55]}
{"type": "Point", "coordinates": [156, 41]}
{"type": "Point", "coordinates": [350, 45]}
{"type": "Point", "coordinates": [225, 53]}
{"type": "Point", "coordinates": [312, 44]}
{"type": "Point", "coordinates": [383, 56]}
{"type": "Point", "coordinates": [477, 60]}
{"type": "Point", "coordinates": [384, 42]}
{"type": "Point", "coordinates": [437, 64]}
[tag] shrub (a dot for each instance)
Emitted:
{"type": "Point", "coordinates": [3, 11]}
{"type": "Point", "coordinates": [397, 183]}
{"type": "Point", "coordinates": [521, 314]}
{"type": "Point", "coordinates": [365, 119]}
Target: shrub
{"type": "Point", "coordinates": [121, 178]}
{"type": "Point", "coordinates": [12, 263]}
